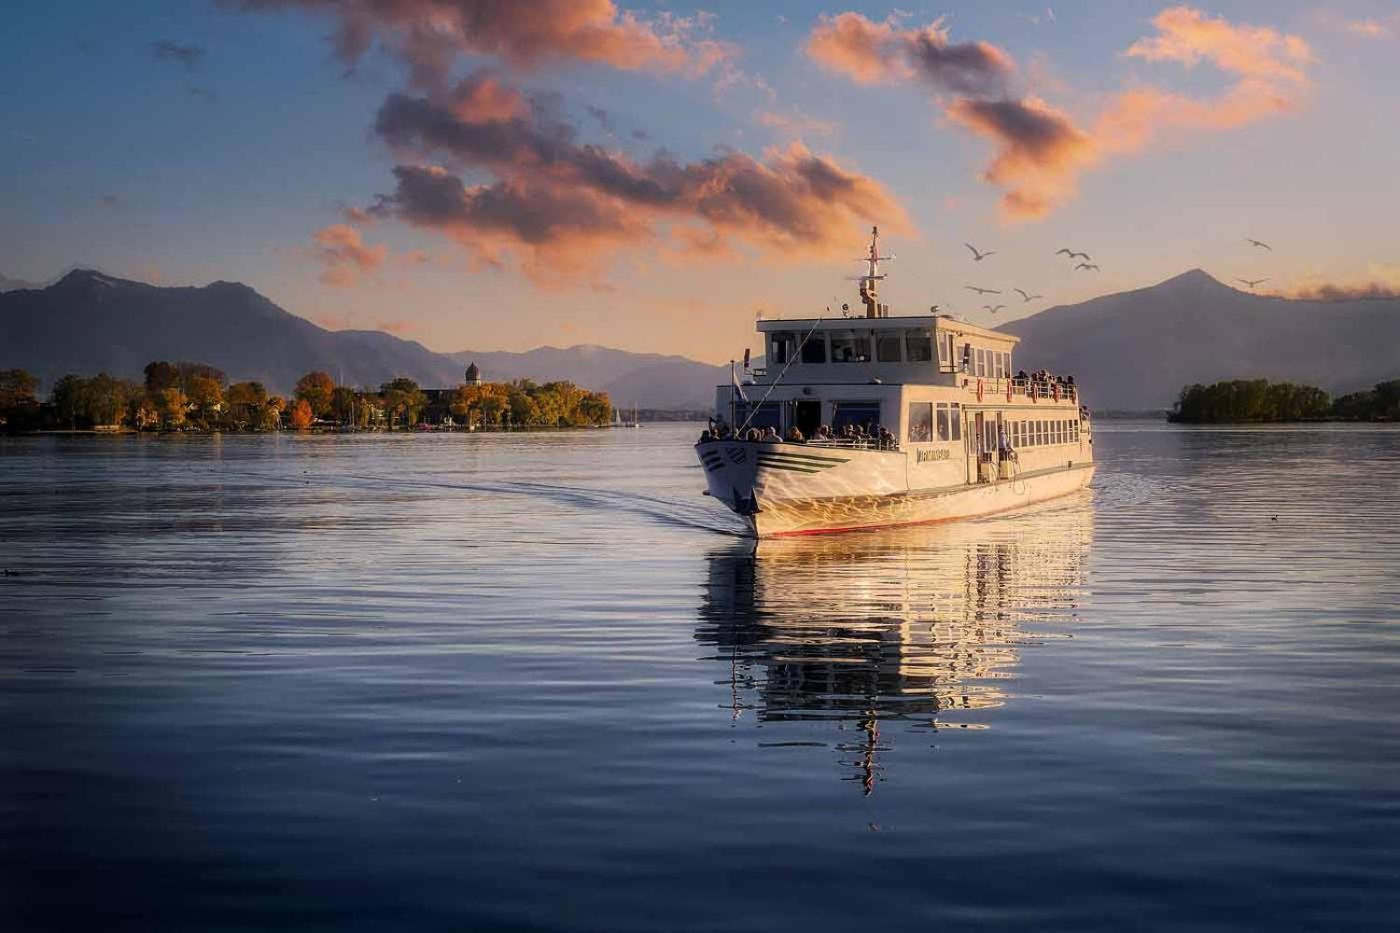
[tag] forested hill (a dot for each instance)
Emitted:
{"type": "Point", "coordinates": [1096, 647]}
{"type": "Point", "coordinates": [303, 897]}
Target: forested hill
{"type": "Point", "coordinates": [1135, 350]}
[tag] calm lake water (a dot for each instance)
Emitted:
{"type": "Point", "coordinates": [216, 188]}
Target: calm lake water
{"type": "Point", "coordinates": [535, 682]}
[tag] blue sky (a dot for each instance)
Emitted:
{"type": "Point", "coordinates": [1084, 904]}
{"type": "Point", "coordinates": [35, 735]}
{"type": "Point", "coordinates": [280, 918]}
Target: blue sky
{"type": "Point", "coordinates": [225, 162]}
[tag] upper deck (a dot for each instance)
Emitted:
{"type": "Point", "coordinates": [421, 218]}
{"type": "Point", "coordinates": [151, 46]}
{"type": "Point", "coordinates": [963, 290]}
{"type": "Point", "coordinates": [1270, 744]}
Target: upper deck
{"type": "Point", "coordinates": [921, 349]}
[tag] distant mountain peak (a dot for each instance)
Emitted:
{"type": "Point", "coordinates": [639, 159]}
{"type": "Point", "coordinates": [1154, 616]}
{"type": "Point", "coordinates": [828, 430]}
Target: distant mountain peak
{"type": "Point", "coordinates": [1192, 277]}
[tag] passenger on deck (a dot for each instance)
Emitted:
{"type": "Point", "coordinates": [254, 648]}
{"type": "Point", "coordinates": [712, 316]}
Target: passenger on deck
{"type": "Point", "coordinates": [823, 433]}
{"type": "Point", "coordinates": [794, 436]}
{"type": "Point", "coordinates": [706, 436]}
{"type": "Point", "coordinates": [770, 436]}
{"type": "Point", "coordinates": [887, 441]}
{"type": "Point", "coordinates": [753, 434]}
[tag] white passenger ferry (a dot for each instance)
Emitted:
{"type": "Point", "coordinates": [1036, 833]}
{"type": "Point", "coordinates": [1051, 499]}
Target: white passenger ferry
{"type": "Point", "coordinates": [878, 421]}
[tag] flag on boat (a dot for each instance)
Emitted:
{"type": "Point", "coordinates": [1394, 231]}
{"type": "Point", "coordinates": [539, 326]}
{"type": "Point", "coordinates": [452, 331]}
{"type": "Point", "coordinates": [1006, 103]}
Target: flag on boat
{"type": "Point", "coordinates": [734, 380]}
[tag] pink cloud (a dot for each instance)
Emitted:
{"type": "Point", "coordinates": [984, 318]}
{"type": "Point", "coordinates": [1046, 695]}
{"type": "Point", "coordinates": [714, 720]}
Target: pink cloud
{"type": "Point", "coordinates": [564, 207]}
{"type": "Point", "coordinates": [432, 34]}
{"type": "Point", "coordinates": [344, 256]}
{"type": "Point", "coordinates": [1041, 151]}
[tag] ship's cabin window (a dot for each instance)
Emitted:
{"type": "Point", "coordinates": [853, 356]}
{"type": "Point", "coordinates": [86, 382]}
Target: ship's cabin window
{"type": "Point", "coordinates": [862, 414]}
{"type": "Point", "coordinates": [920, 422]}
{"type": "Point", "coordinates": [1074, 431]}
{"type": "Point", "coordinates": [945, 350]}
{"type": "Point", "coordinates": [918, 346]}
{"type": "Point", "coordinates": [979, 362]}
{"type": "Point", "coordinates": [780, 348]}
{"type": "Point", "coordinates": [814, 350]}
{"type": "Point", "coordinates": [949, 421]}
{"type": "Point", "coordinates": [967, 357]}
{"type": "Point", "coordinates": [848, 346]}
{"type": "Point", "coordinates": [887, 347]}
{"type": "Point", "coordinates": [767, 415]}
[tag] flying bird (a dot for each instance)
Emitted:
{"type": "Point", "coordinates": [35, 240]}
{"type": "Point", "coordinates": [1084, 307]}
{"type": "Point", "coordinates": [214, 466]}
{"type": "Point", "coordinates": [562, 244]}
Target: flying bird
{"type": "Point", "coordinates": [933, 309]}
{"type": "Point", "coordinates": [1072, 254]}
{"type": "Point", "coordinates": [1025, 297]}
{"type": "Point", "coordinates": [1259, 243]}
{"type": "Point", "coordinates": [978, 256]}
{"type": "Point", "coordinates": [1252, 283]}
{"type": "Point", "coordinates": [982, 291]}
{"type": "Point", "coordinates": [1087, 265]}
{"type": "Point", "coordinates": [993, 309]}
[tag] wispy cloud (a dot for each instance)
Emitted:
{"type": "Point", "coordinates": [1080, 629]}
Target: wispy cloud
{"type": "Point", "coordinates": [203, 93]}
{"type": "Point", "coordinates": [794, 123]}
{"type": "Point", "coordinates": [430, 35]}
{"type": "Point", "coordinates": [1386, 28]}
{"type": "Point", "coordinates": [188, 56]}
{"type": "Point", "coordinates": [344, 256]}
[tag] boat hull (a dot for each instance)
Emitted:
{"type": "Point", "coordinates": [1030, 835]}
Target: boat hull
{"type": "Point", "coordinates": [793, 490]}
{"type": "Point", "coordinates": [780, 518]}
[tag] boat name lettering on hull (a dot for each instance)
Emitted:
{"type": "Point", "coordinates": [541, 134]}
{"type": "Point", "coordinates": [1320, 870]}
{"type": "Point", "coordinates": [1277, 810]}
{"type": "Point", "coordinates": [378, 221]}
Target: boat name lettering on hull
{"type": "Point", "coordinates": [929, 456]}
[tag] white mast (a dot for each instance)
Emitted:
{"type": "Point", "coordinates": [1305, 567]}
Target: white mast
{"type": "Point", "coordinates": [869, 283]}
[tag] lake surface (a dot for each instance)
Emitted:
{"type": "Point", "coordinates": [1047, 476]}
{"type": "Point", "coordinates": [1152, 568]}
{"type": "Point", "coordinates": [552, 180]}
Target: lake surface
{"type": "Point", "coordinates": [535, 682]}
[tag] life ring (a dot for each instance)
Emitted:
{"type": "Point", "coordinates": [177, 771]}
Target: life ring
{"type": "Point", "coordinates": [979, 390]}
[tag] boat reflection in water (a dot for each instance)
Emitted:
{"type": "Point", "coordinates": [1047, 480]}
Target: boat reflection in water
{"type": "Point", "coordinates": [910, 626]}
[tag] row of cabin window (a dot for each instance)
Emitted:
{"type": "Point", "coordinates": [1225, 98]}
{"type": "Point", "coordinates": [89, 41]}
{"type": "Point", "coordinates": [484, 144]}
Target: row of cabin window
{"type": "Point", "coordinates": [929, 422]}
{"type": "Point", "coordinates": [1040, 433]}
{"type": "Point", "coordinates": [910, 346]}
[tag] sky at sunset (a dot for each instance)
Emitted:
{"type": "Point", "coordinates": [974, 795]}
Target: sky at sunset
{"type": "Point", "coordinates": [501, 174]}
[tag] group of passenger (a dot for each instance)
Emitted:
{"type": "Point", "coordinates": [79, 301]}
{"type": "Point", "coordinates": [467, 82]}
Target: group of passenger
{"type": "Point", "coordinates": [1043, 381]}
{"type": "Point", "coordinates": [868, 434]}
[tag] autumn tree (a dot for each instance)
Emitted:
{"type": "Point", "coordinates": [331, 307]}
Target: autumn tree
{"type": "Point", "coordinates": [245, 404]}
{"type": "Point", "coordinates": [206, 394]}
{"type": "Point", "coordinates": [106, 399]}
{"type": "Point", "coordinates": [316, 389]}
{"type": "Point", "coordinates": [17, 389]}
{"type": "Point", "coordinates": [301, 415]}
{"type": "Point", "coordinates": [172, 405]}
{"type": "Point", "coordinates": [402, 398]}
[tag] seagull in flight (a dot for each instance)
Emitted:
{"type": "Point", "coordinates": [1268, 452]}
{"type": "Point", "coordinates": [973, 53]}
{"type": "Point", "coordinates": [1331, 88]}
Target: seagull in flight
{"type": "Point", "coordinates": [1025, 297]}
{"type": "Point", "coordinates": [982, 291]}
{"type": "Point", "coordinates": [1252, 283]}
{"type": "Point", "coordinates": [934, 309]}
{"type": "Point", "coordinates": [1259, 243]}
{"type": "Point", "coordinates": [978, 256]}
{"type": "Point", "coordinates": [993, 309]}
{"type": "Point", "coordinates": [1072, 254]}
{"type": "Point", "coordinates": [1087, 265]}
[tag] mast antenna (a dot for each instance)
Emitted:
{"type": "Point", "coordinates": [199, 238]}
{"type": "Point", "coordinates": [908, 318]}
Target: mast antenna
{"type": "Point", "coordinates": [870, 282]}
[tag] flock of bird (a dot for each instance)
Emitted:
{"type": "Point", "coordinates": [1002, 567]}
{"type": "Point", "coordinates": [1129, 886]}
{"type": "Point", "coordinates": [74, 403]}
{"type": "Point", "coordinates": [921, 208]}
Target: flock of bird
{"type": "Point", "coordinates": [1085, 264]}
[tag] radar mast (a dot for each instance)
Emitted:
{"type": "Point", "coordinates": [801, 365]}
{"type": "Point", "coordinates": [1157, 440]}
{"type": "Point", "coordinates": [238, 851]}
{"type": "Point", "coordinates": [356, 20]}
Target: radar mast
{"type": "Point", "coordinates": [870, 282]}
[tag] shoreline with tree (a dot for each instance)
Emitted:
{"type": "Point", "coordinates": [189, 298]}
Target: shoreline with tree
{"type": "Point", "coordinates": [184, 397]}
{"type": "Point", "coordinates": [1259, 401]}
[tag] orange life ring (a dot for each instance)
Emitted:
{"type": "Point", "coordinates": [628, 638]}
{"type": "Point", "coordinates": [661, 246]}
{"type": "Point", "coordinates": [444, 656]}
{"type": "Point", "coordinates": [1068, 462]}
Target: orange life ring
{"type": "Point", "coordinates": [979, 390]}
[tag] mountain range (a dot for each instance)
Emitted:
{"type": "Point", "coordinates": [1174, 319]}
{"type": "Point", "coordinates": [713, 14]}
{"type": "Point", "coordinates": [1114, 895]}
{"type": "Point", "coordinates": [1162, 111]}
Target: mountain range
{"type": "Point", "coordinates": [1131, 350]}
{"type": "Point", "coordinates": [1137, 349]}
{"type": "Point", "coordinates": [89, 322]}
